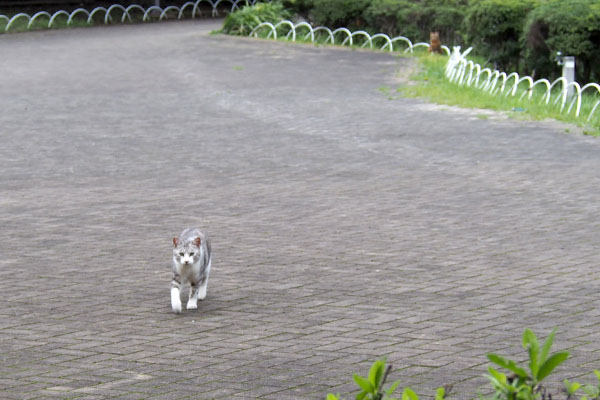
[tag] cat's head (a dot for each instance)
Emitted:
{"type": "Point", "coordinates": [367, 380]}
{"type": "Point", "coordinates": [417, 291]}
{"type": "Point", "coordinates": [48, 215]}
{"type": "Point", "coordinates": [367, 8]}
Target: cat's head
{"type": "Point", "coordinates": [186, 252]}
{"type": "Point", "coordinates": [434, 36]}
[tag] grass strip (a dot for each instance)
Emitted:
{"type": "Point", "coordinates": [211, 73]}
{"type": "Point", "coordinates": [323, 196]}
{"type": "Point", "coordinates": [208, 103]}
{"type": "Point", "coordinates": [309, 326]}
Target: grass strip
{"type": "Point", "coordinates": [431, 83]}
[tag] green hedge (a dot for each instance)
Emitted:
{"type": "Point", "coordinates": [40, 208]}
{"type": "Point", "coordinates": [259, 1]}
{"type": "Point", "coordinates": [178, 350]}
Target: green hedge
{"type": "Point", "coordinates": [571, 27]}
{"type": "Point", "coordinates": [337, 13]}
{"type": "Point", "coordinates": [241, 22]}
{"type": "Point", "coordinates": [394, 18]}
{"type": "Point", "coordinates": [301, 7]}
{"type": "Point", "coordinates": [513, 35]}
{"type": "Point", "coordinates": [494, 29]}
{"type": "Point", "coordinates": [410, 18]}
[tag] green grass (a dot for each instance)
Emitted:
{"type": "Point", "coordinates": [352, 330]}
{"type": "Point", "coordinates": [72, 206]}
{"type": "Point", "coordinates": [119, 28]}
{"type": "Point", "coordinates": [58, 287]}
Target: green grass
{"type": "Point", "coordinates": [432, 84]}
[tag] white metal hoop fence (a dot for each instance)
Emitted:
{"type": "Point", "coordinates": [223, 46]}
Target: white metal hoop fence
{"type": "Point", "coordinates": [459, 69]}
{"type": "Point", "coordinates": [343, 36]}
{"type": "Point", "coordinates": [119, 13]}
{"type": "Point", "coordinates": [465, 72]}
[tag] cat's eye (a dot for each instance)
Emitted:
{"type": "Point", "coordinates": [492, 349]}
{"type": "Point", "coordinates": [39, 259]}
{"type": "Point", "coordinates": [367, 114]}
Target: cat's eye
{"type": "Point", "coordinates": [182, 254]}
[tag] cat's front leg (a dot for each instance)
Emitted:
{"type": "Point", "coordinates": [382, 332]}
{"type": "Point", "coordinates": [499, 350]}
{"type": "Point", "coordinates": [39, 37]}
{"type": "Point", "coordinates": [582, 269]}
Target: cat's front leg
{"type": "Point", "coordinates": [192, 303]}
{"type": "Point", "coordinates": [202, 289]}
{"type": "Point", "coordinates": [175, 294]}
{"type": "Point", "coordinates": [204, 282]}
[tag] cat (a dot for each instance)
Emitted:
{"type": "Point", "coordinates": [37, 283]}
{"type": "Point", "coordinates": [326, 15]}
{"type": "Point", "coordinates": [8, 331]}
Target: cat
{"type": "Point", "coordinates": [191, 263]}
{"type": "Point", "coordinates": [435, 45]}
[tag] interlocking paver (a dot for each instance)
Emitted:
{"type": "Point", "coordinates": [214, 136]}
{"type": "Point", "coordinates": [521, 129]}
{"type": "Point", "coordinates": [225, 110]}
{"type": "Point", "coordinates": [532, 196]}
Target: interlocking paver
{"type": "Point", "coordinates": [345, 226]}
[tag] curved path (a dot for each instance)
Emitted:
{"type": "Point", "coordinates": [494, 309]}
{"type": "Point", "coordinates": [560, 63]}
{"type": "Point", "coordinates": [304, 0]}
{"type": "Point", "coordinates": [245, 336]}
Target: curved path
{"type": "Point", "coordinates": [346, 226]}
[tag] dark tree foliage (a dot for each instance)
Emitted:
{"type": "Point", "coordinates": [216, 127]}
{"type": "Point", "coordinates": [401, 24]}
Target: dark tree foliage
{"type": "Point", "coordinates": [571, 27]}
{"type": "Point", "coordinates": [494, 28]}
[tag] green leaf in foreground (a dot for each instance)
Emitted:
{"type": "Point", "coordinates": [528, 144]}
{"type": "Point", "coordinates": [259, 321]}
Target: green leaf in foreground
{"type": "Point", "coordinates": [507, 364]}
{"type": "Point", "coordinates": [550, 364]}
{"type": "Point", "coordinates": [409, 394]}
{"type": "Point", "coordinates": [363, 383]}
{"type": "Point", "coordinates": [376, 373]}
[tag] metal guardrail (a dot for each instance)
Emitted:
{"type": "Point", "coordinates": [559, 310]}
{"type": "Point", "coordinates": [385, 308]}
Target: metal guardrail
{"type": "Point", "coordinates": [331, 35]}
{"type": "Point", "coordinates": [125, 13]}
{"type": "Point", "coordinates": [465, 72]}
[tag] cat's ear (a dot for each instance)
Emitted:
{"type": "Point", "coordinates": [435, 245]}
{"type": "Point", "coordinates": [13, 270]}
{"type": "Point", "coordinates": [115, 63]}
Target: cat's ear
{"type": "Point", "coordinates": [197, 241]}
{"type": "Point", "coordinates": [175, 242]}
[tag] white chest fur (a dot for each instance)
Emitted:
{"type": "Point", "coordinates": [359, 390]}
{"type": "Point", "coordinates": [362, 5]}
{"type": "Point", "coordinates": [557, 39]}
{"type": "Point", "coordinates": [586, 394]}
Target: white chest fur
{"type": "Point", "coordinates": [189, 272]}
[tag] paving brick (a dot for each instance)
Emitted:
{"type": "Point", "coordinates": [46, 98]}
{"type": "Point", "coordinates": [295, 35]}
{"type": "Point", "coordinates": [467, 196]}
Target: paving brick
{"type": "Point", "coordinates": [345, 226]}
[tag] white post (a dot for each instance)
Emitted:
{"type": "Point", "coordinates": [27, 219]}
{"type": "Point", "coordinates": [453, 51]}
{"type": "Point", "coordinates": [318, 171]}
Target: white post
{"type": "Point", "coordinates": [569, 73]}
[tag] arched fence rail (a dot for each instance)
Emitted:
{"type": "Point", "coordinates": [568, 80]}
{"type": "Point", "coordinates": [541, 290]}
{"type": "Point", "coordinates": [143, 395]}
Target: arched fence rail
{"type": "Point", "coordinates": [459, 69]}
{"type": "Point", "coordinates": [342, 36]}
{"type": "Point", "coordinates": [119, 13]}
{"type": "Point", "coordinates": [465, 72]}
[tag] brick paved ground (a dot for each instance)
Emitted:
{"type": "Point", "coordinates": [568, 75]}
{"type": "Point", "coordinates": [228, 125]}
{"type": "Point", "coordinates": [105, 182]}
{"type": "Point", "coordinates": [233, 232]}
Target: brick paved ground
{"type": "Point", "coordinates": [345, 226]}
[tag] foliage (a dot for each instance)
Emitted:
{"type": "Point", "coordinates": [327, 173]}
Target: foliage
{"type": "Point", "coordinates": [503, 31]}
{"type": "Point", "coordinates": [494, 27]}
{"type": "Point", "coordinates": [244, 20]}
{"type": "Point", "coordinates": [571, 27]}
{"type": "Point", "coordinates": [446, 17]}
{"type": "Point", "coordinates": [431, 83]}
{"type": "Point", "coordinates": [410, 18]}
{"type": "Point", "coordinates": [522, 384]}
{"type": "Point", "coordinates": [301, 7]}
{"type": "Point", "coordinates": [371, 386]}
{"type": "Point", "coordinates": [592, 392]}
{"type": "Point", "coordinates": [336, 13]}
{"type": "Point", "coordinates": [571, 388]}
{"type": "Point", "coordinates": [394, 17]}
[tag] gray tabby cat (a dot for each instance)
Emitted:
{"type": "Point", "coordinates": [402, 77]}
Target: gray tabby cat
{"type": "Point", "coordinates": [191, 263]}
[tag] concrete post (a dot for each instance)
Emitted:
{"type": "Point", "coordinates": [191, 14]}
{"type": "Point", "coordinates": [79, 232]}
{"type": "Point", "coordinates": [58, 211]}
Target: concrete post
{"type": "Point", "coordinates": [569, 73]}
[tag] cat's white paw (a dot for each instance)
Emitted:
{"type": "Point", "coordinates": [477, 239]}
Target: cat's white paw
{"type": "Point", "coordinates": [175, 301]}
{"type": "Point", "coordinates": [202, 293]}
{"type": "Point", "coordinates": [176, 308]}
{"type": "Point", "coordinates": [192, 305]}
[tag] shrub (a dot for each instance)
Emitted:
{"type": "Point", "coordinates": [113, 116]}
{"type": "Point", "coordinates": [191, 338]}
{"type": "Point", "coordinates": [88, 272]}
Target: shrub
{"type": "Point", "coordinates": [415, 19]}
{"type": "Point", "coordinates": [394, 17]}
{"type": "Point", "coordinates": [411, 18]}
{"type": "Point", "coordinates": [494, 28]}
{"type": "Point", "coordinates": [301, 7]}
{"type": "Point", "coordinates": [571, 27]}
{"type": "Point", "coordinates": [371, 386]}
{"type": "Point", "coordinates": [445, 17]}
{"type": "Point", "coordinates": [338, 13]}
{"type": "Point", "coordinates": [522, 383]}
{"type": "Point", "coordinates": [526, 384]}
{"type": "Point", "coordinates": [241, 22]}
